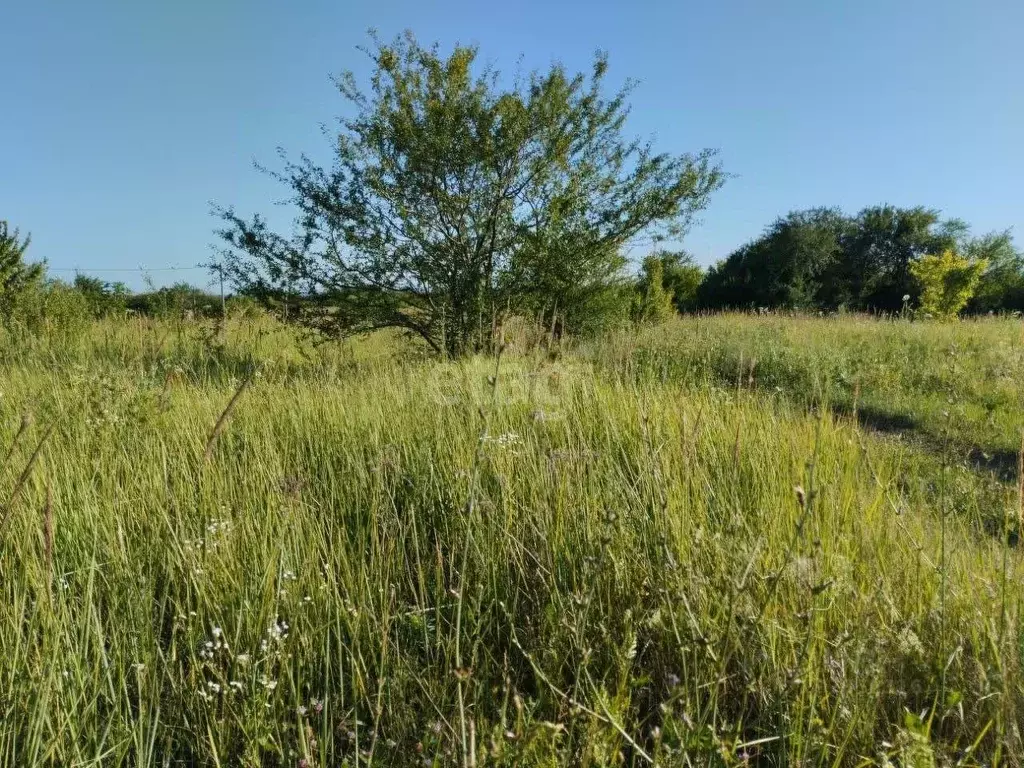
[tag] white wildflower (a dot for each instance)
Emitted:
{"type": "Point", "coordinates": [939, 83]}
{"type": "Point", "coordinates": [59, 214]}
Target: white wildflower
{"type": "Point", "coordinates": [503, 440]}
{"type": "Point", "coordinates": [268, 683]}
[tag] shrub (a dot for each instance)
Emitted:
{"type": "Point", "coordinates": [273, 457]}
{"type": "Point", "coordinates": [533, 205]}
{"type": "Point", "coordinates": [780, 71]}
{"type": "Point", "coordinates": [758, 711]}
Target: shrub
{"type": "Point", "coordinates": [16, 276]}
{"type": "Point", "coordinates": [102, 299]}
{"type": "Point", "coordinates": [243, 308]}
{"type": "Point", "coordinates": [175, 302]}
{"type": "Point", "coordinates": [947, 281]}
{"type": "Point", "coordinates": [653, 303]}
{"type": "Point", "coordinates": [49, 306]}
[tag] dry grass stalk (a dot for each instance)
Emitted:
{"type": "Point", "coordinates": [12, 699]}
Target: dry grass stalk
{"type": "Point", "coordinates": [23, 478]}
{"type": "Point", "coordinates": [222, 421]}
{"type": "Point", "coordinates": [1020, 484]}
{"type": "Point", "coordinates": [26, 422]}
{"type": "Point", "coordinates": [48, 529]}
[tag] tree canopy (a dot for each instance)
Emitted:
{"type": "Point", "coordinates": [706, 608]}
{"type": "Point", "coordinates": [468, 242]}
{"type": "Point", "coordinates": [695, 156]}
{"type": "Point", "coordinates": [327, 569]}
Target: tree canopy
{"type": "Point", "coordinates": [455, 199]}
{"type": "Point", "coordinates": [786, 267]}
{"type": "Point", "coordinates": [1001, 285]}
{"type": "Point", "coordinates": [823, 259]}
{"type": "Point", "coordinates": [16, 275]}
{"type": "Point", "coordinates": [102, 298]}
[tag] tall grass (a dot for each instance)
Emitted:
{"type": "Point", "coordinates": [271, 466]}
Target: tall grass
{"type": "Point", "coordinates": [914, 378]}
{"type": "Point", "coordinates": [372, 559]}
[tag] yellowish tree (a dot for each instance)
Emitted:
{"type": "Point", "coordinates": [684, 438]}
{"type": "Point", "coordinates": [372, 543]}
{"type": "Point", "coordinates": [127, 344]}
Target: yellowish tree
{"type": "Point", "coordinates": [652, 303]}
{"type": "Point", "coordinates": [947, 281]}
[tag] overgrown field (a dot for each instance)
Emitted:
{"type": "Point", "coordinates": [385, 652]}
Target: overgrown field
{"type": "Point", "coordinates": [645, 550]}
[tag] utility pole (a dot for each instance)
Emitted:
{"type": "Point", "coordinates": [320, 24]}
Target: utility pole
{"type": "Point", "coordinates": [223, 303]}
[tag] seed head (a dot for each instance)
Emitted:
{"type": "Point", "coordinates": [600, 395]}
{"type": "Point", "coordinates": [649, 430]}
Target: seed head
{"type": "Point", "coordinates": [801, 497]}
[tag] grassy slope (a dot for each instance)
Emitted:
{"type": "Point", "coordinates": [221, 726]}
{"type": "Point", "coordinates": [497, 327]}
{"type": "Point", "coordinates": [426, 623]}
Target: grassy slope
{"type": "Point", "coordinates": [929, 381]}
{"type": "Point", "coordinates": [392, 560]}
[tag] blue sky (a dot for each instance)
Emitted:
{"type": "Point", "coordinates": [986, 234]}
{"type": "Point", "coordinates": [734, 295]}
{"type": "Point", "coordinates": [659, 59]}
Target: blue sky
{"type": "Point", "coordinates": [122, 121]}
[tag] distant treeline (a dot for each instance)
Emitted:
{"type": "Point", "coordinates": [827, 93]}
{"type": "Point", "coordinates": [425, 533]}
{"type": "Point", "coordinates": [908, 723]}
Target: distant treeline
{"type": "Point", "coordinates": [819, 260]}
{"type": "Point", "coordinates": [105, 298]}
{"type": "Point", "coordinates": [823, 259]}
{"type": "Point", "coordinates": [815, 260]}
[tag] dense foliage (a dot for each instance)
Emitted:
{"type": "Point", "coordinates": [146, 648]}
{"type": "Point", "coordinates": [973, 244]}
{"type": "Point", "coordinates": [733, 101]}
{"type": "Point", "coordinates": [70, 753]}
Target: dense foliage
{"type": "Point", "coordinates": [823, 259]}
{"type": "Point", "coordinates": [947, 282]}
{"type": "Point", "coordinates": [16, 275]}
{"type": "Point", "coordinates": [103, 298]}
{"type": "Point", "coordinates": [177, 300]}
{"type": "Point", "coordinates": [1001, 286]}
{"type": "Point", "coordinates": [653, 302]}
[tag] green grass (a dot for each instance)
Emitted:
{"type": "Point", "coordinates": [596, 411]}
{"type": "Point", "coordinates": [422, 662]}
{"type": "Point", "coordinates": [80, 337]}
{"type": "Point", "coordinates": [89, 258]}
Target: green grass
{"type": "Point", "coordinates": [618, 556]}
{"type": "Point", "coordinates": [929, 381]}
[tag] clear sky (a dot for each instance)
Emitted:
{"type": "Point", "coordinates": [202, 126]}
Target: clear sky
{"type": "Point", "coordinates": [121, 121]}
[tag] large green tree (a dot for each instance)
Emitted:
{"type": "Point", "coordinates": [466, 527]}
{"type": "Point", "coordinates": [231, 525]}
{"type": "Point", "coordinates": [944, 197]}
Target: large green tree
{"type": "Point", "coordinates": [1001, 288]}
{"type": "Point", "coordinates": [455, 199]}
{"type": "Point", "coordinates": [785, 267]}
{"type": "Point", "coordinates": [16, 275]}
